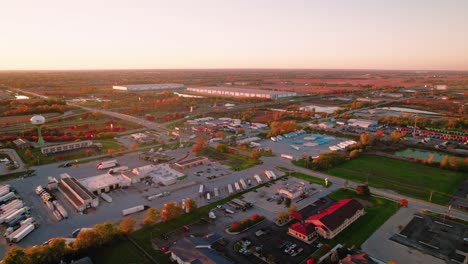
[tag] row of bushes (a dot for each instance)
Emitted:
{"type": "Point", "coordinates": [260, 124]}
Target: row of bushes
{"type": "Point", "coordinates": [246, 223]}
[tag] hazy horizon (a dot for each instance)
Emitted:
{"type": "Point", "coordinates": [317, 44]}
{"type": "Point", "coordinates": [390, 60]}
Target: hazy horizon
{"type": "Point", "coordinates": [240, 35]}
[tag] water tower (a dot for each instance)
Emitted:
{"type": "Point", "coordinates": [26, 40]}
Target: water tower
{"type": "Point", "coordinates": [38, 121]}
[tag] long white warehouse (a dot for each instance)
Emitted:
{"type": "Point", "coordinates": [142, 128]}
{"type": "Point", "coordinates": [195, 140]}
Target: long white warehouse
{"type": "Point", "coordinates": [240, 92]}
{"type": "Point", "coordinates": [148, 87]}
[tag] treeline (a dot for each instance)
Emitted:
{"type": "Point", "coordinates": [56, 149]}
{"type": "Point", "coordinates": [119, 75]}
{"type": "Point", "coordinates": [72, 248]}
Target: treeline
{"type": "Point", "coordinates": [440, 123]}
{"type": "Point", "coordinates": [25, 107]}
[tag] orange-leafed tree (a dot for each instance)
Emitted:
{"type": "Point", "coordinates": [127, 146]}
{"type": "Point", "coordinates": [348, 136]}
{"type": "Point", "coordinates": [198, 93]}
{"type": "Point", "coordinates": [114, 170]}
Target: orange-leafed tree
{"type": "Point", "coordinates": [404, 203]}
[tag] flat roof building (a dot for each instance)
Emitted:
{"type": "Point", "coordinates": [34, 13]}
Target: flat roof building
{"type": "Point", "coordinates": [148, 87]}
{"type": "Point", "coordinates": [195, 250]}
{"type": "Point", "coordinates": [66, 146]}
{"type": "Point", "coordinates": [103, 183]}
{"type": "Point", "coordinates": [80, 197]}
{"type": "Point", "coordinates": [241, 92]}
{"type": "Point", "coordinates": [191, 162]}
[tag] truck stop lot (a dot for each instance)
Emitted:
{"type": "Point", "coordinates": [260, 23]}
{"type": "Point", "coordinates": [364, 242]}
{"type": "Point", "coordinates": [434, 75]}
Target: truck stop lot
{"type": "Point", "coordinates": [122, 198]}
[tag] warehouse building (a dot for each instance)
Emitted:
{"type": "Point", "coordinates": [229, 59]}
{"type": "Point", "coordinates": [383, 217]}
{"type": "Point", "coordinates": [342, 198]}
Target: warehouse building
{"type": "Point", "coordinates": [104, 183]}
{"type": "Point", "coordinates": [67, 146]}
{"type": "Point", "coordinates": [362, 123]}
{"type": "Point", "coordinates": [241, 92]}
{"type": "Point", "coordinates": [80, 197]}
{"type": "Point", "coordinates": [148, 87]}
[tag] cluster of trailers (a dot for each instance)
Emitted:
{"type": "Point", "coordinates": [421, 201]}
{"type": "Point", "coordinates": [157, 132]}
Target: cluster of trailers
{"type": "Point", "coordinates": [49, 200]}
{"type": "Point", "coordinates": [15, 215]}
{"type": "Point", "coordinates": [436, 133]}
{"type": "Point", "coordinates": [236, 186]}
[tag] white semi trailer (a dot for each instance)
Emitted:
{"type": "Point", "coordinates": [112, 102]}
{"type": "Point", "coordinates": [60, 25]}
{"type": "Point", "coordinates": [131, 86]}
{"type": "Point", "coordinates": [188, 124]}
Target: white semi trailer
{"type": "Point", "coordinates": [133, 210]}
{"type": "Point", "coordinates": [20, 233]}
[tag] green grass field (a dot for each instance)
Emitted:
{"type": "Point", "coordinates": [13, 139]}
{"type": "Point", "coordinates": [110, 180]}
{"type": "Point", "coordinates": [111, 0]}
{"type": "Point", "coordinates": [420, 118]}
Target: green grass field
{"type": "Point", "coordinates": [120, 252]}
{"type": "Point", "coordinates": [411, 179]}
{"type": "Point", "coordinates": [305, 177]}
{"type": "Point", "coordinates": [237, 162]}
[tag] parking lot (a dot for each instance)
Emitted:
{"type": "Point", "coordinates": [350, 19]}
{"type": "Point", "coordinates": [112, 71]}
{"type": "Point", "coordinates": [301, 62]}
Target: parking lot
{"type": "Point", "coordinates": [122, 198]}
{"type": "Point", "coordinates": [284, 146]}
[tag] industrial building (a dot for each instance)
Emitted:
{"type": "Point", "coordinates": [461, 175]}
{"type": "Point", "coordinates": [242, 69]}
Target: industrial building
{"type": "Point", "coordinates": [80, 197]}
{"type": "Point", "coordinates": [362, 123]}
{"type": "Point", "coordinates": [148, 87]}
{"type": "Point", "coordinates": [241, 92]}
{"type": "Point", "coordinates": [104, 183]}
{"type": "Point", "coordinates": [67, 146]}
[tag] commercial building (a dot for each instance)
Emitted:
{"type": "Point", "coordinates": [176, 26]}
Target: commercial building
{"type": "Point", "coordinates": [191, 162]}
{"type": "Point", "coordinates": [67, 146]}
{"type": "Point", "coordinates": [359, 258]}
{"type": "Point", "coordinates": [331, 221]}
{"type": "Point", "coordinates": [303, 231]}
{"type": "Point", "coordinates": [148, 87]}
{"type": "Point", "coordinates": [362, 123]}
{"type": "Point", "coordinates": [160, 174]}
{"type": "Point", "coordinates": [292, 191]}
{"type": "Point", "coordinates": [241, 92]}
{"type": "Point", "coordinates": [80, 197]}
{"type": "Point", "coordinates": [194, 250]}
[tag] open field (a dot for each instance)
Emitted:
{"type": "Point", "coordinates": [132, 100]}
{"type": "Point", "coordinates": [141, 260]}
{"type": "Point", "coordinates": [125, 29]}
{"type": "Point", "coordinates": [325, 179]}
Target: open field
{"type": "Point", "coordinates": [127, 253]}
{"type": "Point", "coordinates": [411, 179]}
{"type": "Point", "coordinates": [237, 162]}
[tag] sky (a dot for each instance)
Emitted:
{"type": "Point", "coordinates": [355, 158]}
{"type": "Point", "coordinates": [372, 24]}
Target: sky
{"type": "Point", "coordinates": [205, 34]}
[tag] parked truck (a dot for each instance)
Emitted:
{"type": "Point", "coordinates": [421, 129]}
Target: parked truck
{"type": "Point", "coordinates": [242, 182]}
{"type": "Point", "coordinates": [257, 178]}
{"type": "Point", "coordinates": [20, 233]}
{"type": "Point", "coordinates": [117, 169]}
{"type": "Point", "coordinates": [107, 164]}
{"type": "Point", "coordinates": [14, 204]}
{"type": "Point", "coordinates": [4, 189]}
{"type": "Point", "coordinates": [13, 215]}
{"type": "Point", "coordinates": [60, 209]}
{"type": "Point", "coordinates": [133, 210]}
{"type": "Point", "coordinates": [16, 215]}
{"type": "Point", "coordinates": [106, 197]}
{"type": "Point", "coordinates": [236, 184]}
{"type": "Point", "coordinates": [17, 221]}
{"type": "Point", "coordinates": [230, 190]}
{"type": "Point", "coordinates": [5, 198]}
{"type": "Point", "coordinates": [27, 221]}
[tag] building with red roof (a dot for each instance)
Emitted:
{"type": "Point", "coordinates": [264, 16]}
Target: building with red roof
{"type": "Point", "coordinates": [303, 231]}
{"type": "Point", "coordinates": [331, 221]}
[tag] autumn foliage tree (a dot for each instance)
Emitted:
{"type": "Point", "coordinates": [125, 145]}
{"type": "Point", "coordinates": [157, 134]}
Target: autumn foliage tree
{"type": "Point", "coordinates": [366, 139]}
{"type": "Point", "coordinates": [379, 134]}
{"type": "Point", "coordinates": [127, 225]}
{"type": "Point", "coordinates": [201, 143]}
{"type": "Point", "coordinates": [404, 203]}
{"type": "Point", "coordinates": [170, 210]}
{"type": "Point", "coordinates": [152, 216]}
{"type": "Point", "coordinates": [190, 205]}
{"type": "Point", "coordinates": [444, 163]}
